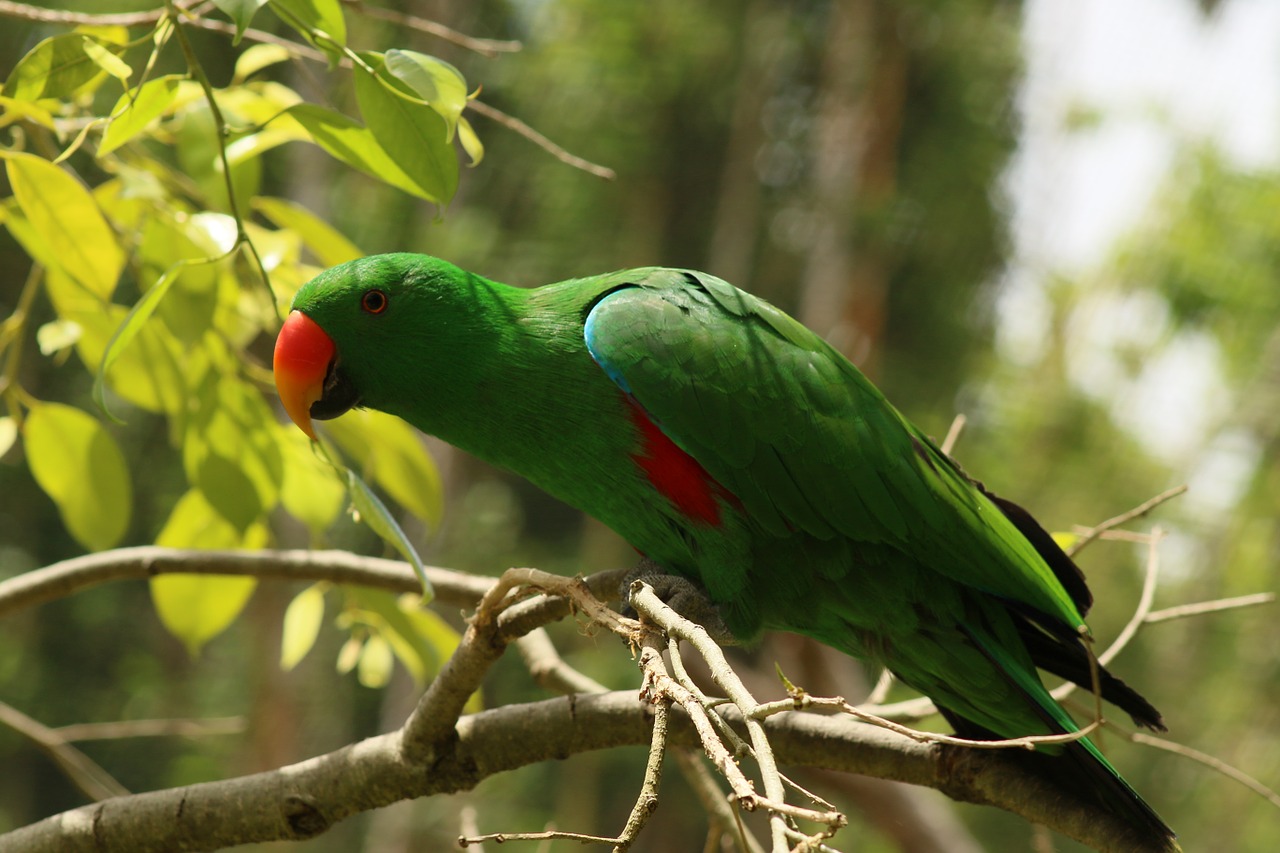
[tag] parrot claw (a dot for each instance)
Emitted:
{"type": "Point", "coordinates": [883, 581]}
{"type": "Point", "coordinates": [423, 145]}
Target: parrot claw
{"type": "Point", "coordinates": [682, 595]}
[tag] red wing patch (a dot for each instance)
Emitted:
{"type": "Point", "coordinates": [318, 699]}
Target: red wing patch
{"type": "Point", "coordinates": [676, 475]}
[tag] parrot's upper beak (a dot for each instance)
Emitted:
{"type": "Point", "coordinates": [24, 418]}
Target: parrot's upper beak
{"type": "Point", "coordinates": [303, 355]}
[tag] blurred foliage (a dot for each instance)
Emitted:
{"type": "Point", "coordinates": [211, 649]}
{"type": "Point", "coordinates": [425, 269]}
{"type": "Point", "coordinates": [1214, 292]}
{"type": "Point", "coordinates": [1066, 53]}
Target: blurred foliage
{"type": "Point", "coordinates": [714, 114]}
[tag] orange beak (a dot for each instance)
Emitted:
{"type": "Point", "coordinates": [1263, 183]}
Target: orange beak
{"type": "Point", "coordinates": [303, 353]}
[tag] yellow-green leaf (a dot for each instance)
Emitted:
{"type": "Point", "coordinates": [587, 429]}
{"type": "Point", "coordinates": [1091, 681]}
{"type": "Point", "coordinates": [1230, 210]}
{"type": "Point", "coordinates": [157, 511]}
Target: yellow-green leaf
{"type": "Point", "coordinates": [315, 19]}
{"type": "Point", "coordinates": [8, 434]}
{"type": "Point", "coordinates": [327, 243]}
{"type": "Point", "coordinates": [150, 373]}
{"type": "Point", "coordinates": [302, 620]}
{"type": "Point", "coordinates": [241, 12]}
{"type": "Point", "coordinates": [54, 68]}
{"type": "Point", "coordinates": [196, 608]}
{"type": "Point", "coordinates": [470, 141]}
{"type": "Point", "coordinates": [131, 326]}
{"type": "Point", "coordinates": [259, 56]}
{"type": "Point", "coordinates": [106, 60]}
{"type": "Point", "coordinates": [78, 464]}
{"type": "Point", "coordinates": [67, 219]}
{"type": "Point", "coordinates": [12, 109]}
{"type": "Point", "coordinates": [374, 513]}
{"type": "Point", "coordinates": [374, 669]}
{"type": "Point", "coordinates": [349, 655]}
{"type": "Point", "coordinates": [391, 453]}
{"type": "Point", "coordinates": [230, 450]}
{"type": "Point", "coordinates": [136, 109]}
{"type": "Point", "coordinates": [57, 335]}
{"type": "Point", "coordinates": [352, 143]}
{"type": "Point", "coordinates": [311, 491]}
{"type": "Point", "coordinates": [433, 80]}
{"type": "Point", "coordinates": [414, 135]}
{"type": "Point", "coordinates": [1065, 539]}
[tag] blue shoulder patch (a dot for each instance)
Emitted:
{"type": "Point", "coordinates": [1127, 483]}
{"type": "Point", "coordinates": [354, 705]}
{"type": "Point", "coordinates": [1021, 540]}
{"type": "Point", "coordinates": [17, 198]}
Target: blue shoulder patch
{"type": "Point", "coordinates": [589, 336]}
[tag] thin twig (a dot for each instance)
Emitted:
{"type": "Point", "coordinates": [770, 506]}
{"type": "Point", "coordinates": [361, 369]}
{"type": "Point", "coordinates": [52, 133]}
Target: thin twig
{"type": "Point", "coordinates": [1208, 760]}
{"type": "Point", "coordinates": [1145, 599]}
{"type": "Point", "coordinates": [724, 820]}
{"type": "Point", "coordinates": [485, 47]}
{"type": "Point", "coordinates": [515, 124]}
{"type": "Point", "coordinates": [1124, 518]}
{"type": "Point", "coordinates": [83, 771]}
{"type": "Point", "coordinates": [647, 801]}
{"type": "Point", "coordinates": [80, 732]}
{"type": "Point", "coordinates": [881, 691]}
{"type": "Point", "coordinates": [953, 433]}
{"type": "Point", "coordinates": [1182, 611]}
{"type": "Point", "coordinates": [24, 12]}
{"type": "Point", "coordinates": [549, 669]}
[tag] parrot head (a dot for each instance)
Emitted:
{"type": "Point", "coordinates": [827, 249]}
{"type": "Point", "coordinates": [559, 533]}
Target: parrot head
{"type": "Point", "coordinates": [355, 329]}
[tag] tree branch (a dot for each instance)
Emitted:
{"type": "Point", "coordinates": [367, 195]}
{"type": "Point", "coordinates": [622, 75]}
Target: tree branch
{"type": "Point", "coordinates": [305, 799]}
{"type": "Point", "coordinates": [69, 576]}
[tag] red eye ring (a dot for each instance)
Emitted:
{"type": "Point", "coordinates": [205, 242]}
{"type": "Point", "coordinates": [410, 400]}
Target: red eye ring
{"type": "Point", "coordinates": [374, 301]}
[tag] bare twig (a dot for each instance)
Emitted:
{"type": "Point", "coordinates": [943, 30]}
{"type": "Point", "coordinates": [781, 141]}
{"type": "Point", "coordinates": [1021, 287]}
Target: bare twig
{"type": "Point", "coordinates": [953, 433]}
{"type": "Point", "coordinates": [1123, 518]}
{"type": "Point", "coordinates": [80, 732]}
{"type": "Point", "coordinates": [69, 576]}
{"type": "Point", "coordinates": [83, 771]}
{"type": "Point", "coordinates": [549, 669]}
{"type": "Point", "coordinates": [515, 124]}
{"type": "Point", "coordinates": [1198, 608]}
{"type": "Point", "coordinates": [645, 601]}
{"type": "Point", "coordinates": [881, 691]}
{"type": "Point", "coordinates": [484, 47]}
{"type": "Point", "coordinates": [24, 12]}
{"type": "Point", "coordinates": [724, 820]}
{"type": "Point", "coordinates": [1208, 760]}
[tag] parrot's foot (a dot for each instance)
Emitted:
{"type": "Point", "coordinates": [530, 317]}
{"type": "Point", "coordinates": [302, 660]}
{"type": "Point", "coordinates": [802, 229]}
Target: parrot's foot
{"type": "Point", "coordinates": [682, 595]}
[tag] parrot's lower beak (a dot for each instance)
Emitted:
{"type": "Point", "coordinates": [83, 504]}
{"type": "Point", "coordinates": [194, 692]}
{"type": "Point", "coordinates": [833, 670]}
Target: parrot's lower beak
{"type": "Point", "coordinates": [302, 359]}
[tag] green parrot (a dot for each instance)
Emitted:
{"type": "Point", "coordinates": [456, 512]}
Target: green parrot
{"type": "Point", "coordinates": [733, 447]}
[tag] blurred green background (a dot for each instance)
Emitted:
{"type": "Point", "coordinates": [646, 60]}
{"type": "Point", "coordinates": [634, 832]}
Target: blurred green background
{"type": "Point", "coordinates": [1056, 219]}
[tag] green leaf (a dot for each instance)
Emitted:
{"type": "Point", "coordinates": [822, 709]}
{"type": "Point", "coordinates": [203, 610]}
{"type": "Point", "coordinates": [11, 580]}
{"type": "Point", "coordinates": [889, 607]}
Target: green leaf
{"type": "Point", "coordinates": [415, 136]}
{"type": "Point", "coordinates": [67, 219]}
{"type": "Point", "coordinates": [241, 13]}
{"type": "Point", "coordinates": [374, 513]}
{"type": "Point", "coordinates": [302, 620]}
{"type": "Point", "coordinates": [390, 452]}
{"type": "Point", "coordinates": [433, 80]}
{"type": "Point", "coordinates": [8, 434]}
{"type": "Point", "coordinates": [322, 16]}
{"type": "Point", "coordinates": [80, 466]}
{"type": "Point", "coordinates": [136, 109]}
{"type": "Point", "coordinates": [352, 143]}
{"type": "Point", "coordinates": [327, 243]}
{"type": "Point", "coordinates": [54, 68]}
{"type": "Point", "coordinates": [196, 608]}
{"type": "Point", "coordinates": [106, 60]}
{"type": "Point", "coordinates": [259, 56]}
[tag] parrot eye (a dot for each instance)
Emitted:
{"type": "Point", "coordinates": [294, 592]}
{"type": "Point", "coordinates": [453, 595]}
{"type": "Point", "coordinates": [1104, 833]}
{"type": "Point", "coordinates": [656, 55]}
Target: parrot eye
{"type": "Point", "coordinates": [374, 301]}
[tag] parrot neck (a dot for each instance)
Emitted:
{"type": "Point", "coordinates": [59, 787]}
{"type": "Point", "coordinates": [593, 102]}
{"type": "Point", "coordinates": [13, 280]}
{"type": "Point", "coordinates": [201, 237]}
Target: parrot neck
{"type": "Point", "coordinates": [510, 381]}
